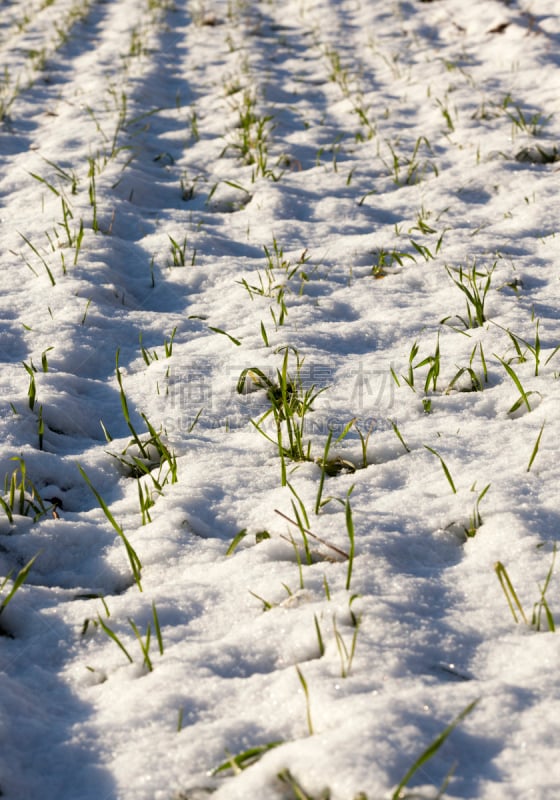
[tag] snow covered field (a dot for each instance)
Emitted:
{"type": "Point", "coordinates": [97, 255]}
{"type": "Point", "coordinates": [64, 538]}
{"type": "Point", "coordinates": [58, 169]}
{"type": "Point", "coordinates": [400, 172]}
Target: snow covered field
{"type": "Point", "coordinates": [280, 399]}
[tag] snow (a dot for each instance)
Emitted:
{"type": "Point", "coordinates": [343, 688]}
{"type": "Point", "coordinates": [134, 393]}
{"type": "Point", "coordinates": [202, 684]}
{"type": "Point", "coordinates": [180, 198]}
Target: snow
{"type": "Point", "coordinates": [386, 146]}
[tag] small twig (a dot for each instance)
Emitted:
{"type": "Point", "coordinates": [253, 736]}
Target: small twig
{"type": "Point", "coordinates": [313, 536]}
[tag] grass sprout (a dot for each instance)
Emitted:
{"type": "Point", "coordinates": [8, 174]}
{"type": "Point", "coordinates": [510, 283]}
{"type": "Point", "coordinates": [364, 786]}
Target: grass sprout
{"type": "Point", "coordinates": [17, 583]}
{"type": "Point", "coordinates": [307, 700]}
{"type": "Point", "coordinates": [541, 609]}
{"type": "Point", "coordinates": [290, 403]}
{"type": "Point", "coordinates": [237, 763]}
{"type": "Point", "coordinates": [135, 563]}
{"type": "Point", "coordinates": [145, 641]}
{"type": "Point", "coordinates": [430, 751]}
{"type": "Point", "coordinates": [346, 653]}
{"type": "Point", "coordinates": [523, 395]}
{"type": "Point", "coordinates": [41, 258]}
{"type": "Point", "coordinates": [298, 792]}
{"type": "Point", "coordinates": [409, 170]}
{"type": "Point", "coordinates": [509, 592]}
{"type": "Point", "coordinates": [536, 448]}
{"type": "Point", "coordinates": [21, 496]}
{"type": "Point", "coordinates": [475, 286]}
{"type": "Point", "coordinates": [143, 454]}
{"type": "Point", "coordinates": [534, 349]}
{"type": "Point", "coordinates": [444, 467]}
{"type": "Point", "coordinates": [320, 641]}
{"type": "Point", "coordinates": [476, 518]}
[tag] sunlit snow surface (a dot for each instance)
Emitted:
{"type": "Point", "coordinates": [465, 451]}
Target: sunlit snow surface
{"type": "Point", "coordinates": [386, 144]}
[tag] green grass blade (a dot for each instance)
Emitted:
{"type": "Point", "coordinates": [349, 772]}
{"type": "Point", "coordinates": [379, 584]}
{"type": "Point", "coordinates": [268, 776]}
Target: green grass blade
{"type": "Point", "coordinates": [135, 562]}
{"type": "Point", "coordinates": [235, 341]}
{"type": "Point", "coordinates": [350, 530]}
{"type": "Point", "coordinates": [535, 448]}
{"type": "Point", "coordinates": [112, 635]}
{"type": "Point", "coordinates": [21, 577]}
{"type": "Point", "coordinates": [432, 749]}
{"type": "Point", "coordinates": [157, 628]}
{"type": "Point", "coordinates": [444, 467]}
{"type": "Point", "coordinates": [307, 702]}
{"type": "Point", "coordinates": [524, 396]}
{"type": "Point", "coordinates": [246, 758]}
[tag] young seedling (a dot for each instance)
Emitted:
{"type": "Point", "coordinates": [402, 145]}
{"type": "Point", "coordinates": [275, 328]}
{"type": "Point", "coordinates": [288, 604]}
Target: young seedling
{"type": "Point", "coordinates": [336, 466]}
{"type": "Point", "coordinates": [307, 700]}
{"type": "Point", "coordinates": [237, 763]}
{"type": "Point", "coordinates": [474, 385]}
{"type": "Point", "coordinates": [430, 751]}
{"type": "Point", "coordinates": [144, 642]}
{"type": "Point", "coordinates": [509, 591]}
{"type": "Point", "coordinates": [233, 340]}
{"type": "Point", "coordinates": [351, 536]}
{"type": "Point", "coordinates": [364, 441]}
{"type": "Point", "coordinates": [536, 448]}
{"type": "Point", "coordinates": [320, 641]}
{"type": "Point", "coordinates": [178, 252]}
{"type": "Point", "coordinates": [399, 436]}
{"type": "Point", "coordinates": [542, 604]}
{"type": "Point", "coordinates": [290, 403]}
{"type": "Point", "coordinates": [92, 191]}
{"type": "Point", "coordinates": [114, 637]}
{"type": "Point", "coordinates": [476, 381]}
{"type": "Point", "coordinates": [539, 608]}
{"type": "Point", "coordinates": [386, 259]}
{"type": "Point", "coordinates": [415, 169]}
{"type": "Point", "coordinates": [475, 292]}
{"type": "Point", "coordinates": [444, 468]}
{"type": "Point", "coordinates": [135, 563]}
{"type": "Point", "coordinates": [523, 395]}
{"type": "Point", "coordinates": [346, 654]}
{"type": "Point", "coordinates": [21, 496]}
{"type": "Point", "coordinates": [525, 123]}
{"type": "Point", "coordinates": [534, 349]}
{"type": "Point", "coordinates": [17, 583]}
{"type": "Point", "coordinates": [40, 427]}
{"type": "Point", "coordinates": [41, 259]}
{"type": "Point", "coordinates": [168, 343]}
{"type": "Point", "coordinates": [148, 356]}
{"type": "Point", "coordinates": [476, 519]}
{"type": "Point", "coordinates": [32, 390]}
{"type": "Point", "coordinates": [430, 382]}
{"type": "Point", "coordinates": [299, 793]}
{"type": "Point", "coordinates": [152, 451]}
{"type": "Point", "coordinates": [146, 501]}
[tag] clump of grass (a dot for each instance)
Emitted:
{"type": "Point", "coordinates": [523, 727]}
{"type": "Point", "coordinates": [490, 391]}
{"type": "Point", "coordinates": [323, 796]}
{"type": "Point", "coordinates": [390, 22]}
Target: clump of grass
{"type": "Point", "coordinates": [534, 349]}
{"type": "Point", "coordinates": [475, 286]}
{"type": "Point", "coordinates": [145, 453]}
{"type": "Point", "coordinates": [409, 170]}
{"type": "Point", "coordinates": [541, 608]}
{"type": "Point", "coordinates": [290, 404]}
{"type": "Point", "coordinates": [145, 641]}
{"type": "Point", "coordinates": [21, 497]}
